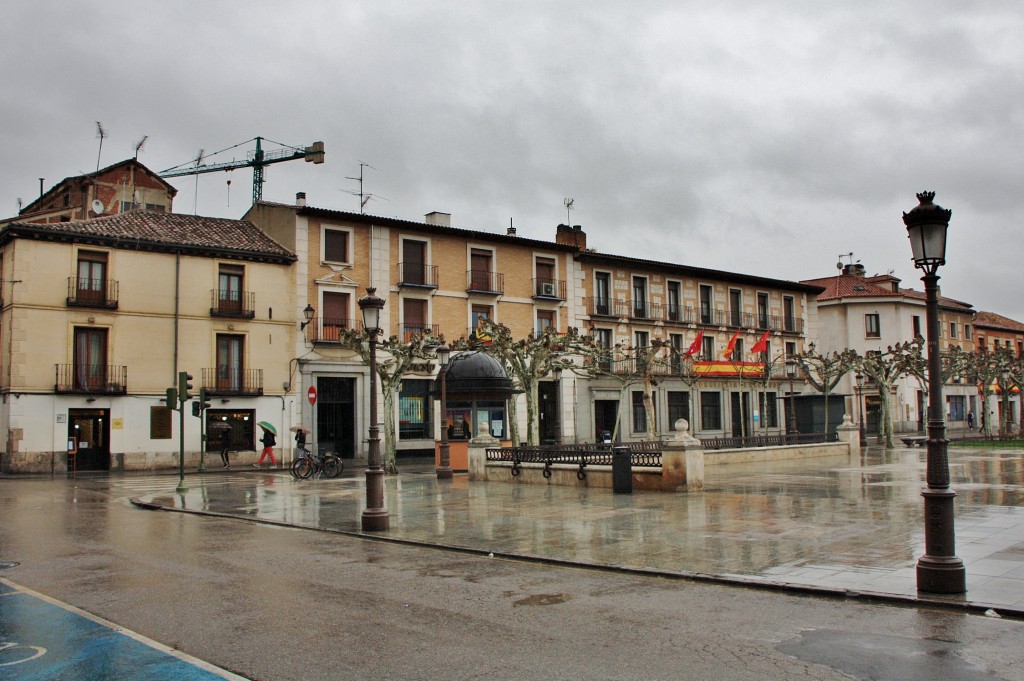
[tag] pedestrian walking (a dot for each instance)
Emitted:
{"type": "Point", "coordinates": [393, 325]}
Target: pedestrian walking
{"type": "Point", "coordinates": [970, 420]}
{"type": "Point", "coordinates": [268, 441]}
{"type": "Point", "coordinates": [300, 440]}
{"type": "Point", "coordinates": [225, 444]}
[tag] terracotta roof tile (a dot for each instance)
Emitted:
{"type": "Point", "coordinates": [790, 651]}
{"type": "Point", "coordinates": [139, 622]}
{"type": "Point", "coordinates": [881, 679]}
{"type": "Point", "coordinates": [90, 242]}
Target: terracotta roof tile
{"type": "Point", "coordinates": [991, 320]}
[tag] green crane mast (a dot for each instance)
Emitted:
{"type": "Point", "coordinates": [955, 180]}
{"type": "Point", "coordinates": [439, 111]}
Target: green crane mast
{"type": "Point", "coordinates": [257, 160]}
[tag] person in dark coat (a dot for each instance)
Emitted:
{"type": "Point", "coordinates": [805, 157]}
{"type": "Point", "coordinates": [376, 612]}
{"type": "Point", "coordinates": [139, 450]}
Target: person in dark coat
{"type": "Point", "coordinates": [225, 445]}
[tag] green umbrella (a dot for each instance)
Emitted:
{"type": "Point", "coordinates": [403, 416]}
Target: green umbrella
{"type": "Point", "coordinates": [266, 425]}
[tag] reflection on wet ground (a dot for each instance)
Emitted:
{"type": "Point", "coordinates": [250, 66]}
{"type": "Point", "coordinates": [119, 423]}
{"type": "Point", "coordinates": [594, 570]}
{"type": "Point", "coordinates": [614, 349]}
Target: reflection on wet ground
{"type": "Point", "coordinates": [835, 523]}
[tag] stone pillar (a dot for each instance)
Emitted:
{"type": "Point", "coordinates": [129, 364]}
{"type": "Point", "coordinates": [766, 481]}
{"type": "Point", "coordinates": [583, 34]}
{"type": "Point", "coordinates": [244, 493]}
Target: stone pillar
{"type": "Point", "coordinates": [478, 447]}
{"type": "Point", "coordinates": [849, 432]}
{"type": "Point", "coordinates": [682, 461]}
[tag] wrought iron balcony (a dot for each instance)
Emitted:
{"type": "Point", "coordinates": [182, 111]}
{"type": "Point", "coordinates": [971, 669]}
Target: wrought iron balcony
{"type": "Point", "coordinates": [482, 281]}
{"type": "Point", "coordinates": [712, 317]}
{"type": "Point", "coordinates": [417, 274]}
{"type": "Point", "coordinates": [606, 307]}
{"type": "Point", "coordinates": [228, 303]}
{"type": "Point", "coordinates": [233, 381]}
{"type": "Point", "coordinates": [101, 293]}
{"type": "Point", "coordinates": [410, 330]}
{"type": "Point", "coordinates": [330, 330]}
{"type": "Point", "coordinates": [550, 289]}
{"type": "Point", "coordinates": [679, 313]}
{"type": "Point", "coordinates": [91, 379]}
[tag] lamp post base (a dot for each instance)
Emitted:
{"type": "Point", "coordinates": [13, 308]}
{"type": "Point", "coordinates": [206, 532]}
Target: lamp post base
{"type": "Point", "coordinates": [375, 520]}
{"type": "Point", "coordinates": [940, 571]}
{"type": "Point", "coordinates": [938, 575]}
{"type": "Point", "coordinates": [375, 516]}
{"type": "Point", "coordinates": [444, 472]}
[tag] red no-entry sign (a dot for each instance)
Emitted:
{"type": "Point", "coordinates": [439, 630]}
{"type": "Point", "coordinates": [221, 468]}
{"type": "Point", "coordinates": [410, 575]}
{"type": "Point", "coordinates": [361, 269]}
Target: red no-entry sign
{"type": "Point", "coordinates": [311, 394]}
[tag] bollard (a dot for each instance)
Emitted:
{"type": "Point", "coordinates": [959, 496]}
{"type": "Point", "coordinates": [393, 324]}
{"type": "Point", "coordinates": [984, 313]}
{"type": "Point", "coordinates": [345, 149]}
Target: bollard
{"type": "Point", "coordinates": [622, 470]}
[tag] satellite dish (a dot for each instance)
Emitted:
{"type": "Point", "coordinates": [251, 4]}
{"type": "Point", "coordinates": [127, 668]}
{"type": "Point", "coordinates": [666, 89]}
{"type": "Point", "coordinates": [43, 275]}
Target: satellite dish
{"type": "Point", "coordinates": [97, 207]}
{"type": "Point", "coordinates": [839, 265]}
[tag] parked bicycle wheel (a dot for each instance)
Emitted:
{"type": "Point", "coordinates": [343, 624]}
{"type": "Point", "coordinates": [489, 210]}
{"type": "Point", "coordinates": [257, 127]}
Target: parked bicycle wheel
{"type": "Point", "coordinates": [332, 466]}
{"type": "Point", "coordinates": [303, 468]}
{"type": "Point", "coordinates": [296, 465]}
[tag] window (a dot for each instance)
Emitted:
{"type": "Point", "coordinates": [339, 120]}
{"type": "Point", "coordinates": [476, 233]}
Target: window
{"type": "Point", "coordinates": [160, 423]}
{"type": "Point", "coordinates": [981, 344]}
{"type": "Point", "coordinates": [790, 349]}
{"type": "Point", "coordinates": [762, 310]}
{"type": "Point", "coordinates": [545, 321]}
{"type": "Point", "coordinates": [229, 362]}
{"type": "Point", "coordinates": [955, 407]}
{"type": "Point", "coordinates": [872, 326]}
{"type": "Point", "coordinates": [675, 341]}
{"type": "Point", "coordinates": [678, 407]}
{"type": "Point", "coordinates": [952, 330]}
{"type": "Point", "coordinates": [335, 315]}
{"type": "Point", "coordinates": [90, 359]}
{"type": "Point", "coordinates": [414, 262]}
{"type": "Point", "coordinates": [707, 348]}
{"type": "Point", "coordinates": [91, 286]}
{"type": "Point", "coordinates": [477, 313]}
{"type": "Point", "coordinates": [735, 307]}
{"type": "Point", "coordinates": [335, 245]}
{"type": "Point", "coordinates": [789, 313]}
{"type": "Point", "coordinates": [705, 304]}
{"type": "Point", "coordinates": [640, 297]}
{"type": "Point", "coordinates": [414, 317]}
{"type": "Point", "coordinates": [414, 409]}
{"type": "Point", "coordinates": [602, 293]}
{"type": "Point", "coordinates": [768, 403]}
{"type": "Point", "coordinates": [546, 285]}
{"type": "Point", "coordinates": [640, 411]}
{"type": "Point", "coordinates": [675, 311]}
{"type": "Point", "coordinates": [968, 331]}
{"type": "Point", "coordinates": [480, 269]}
{"type": "Point", "coordinates": [917, 327]}
{"type": "Point", "coordinates": [229, 288]}
{"type": "Point", "coordinates": [710, 411]}
{"type": "Point", "coordinates": [242, 423]}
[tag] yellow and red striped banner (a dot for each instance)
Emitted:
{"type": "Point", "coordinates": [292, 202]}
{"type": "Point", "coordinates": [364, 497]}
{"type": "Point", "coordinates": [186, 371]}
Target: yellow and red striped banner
{"type": "Point", "coordinates": [728, 368]}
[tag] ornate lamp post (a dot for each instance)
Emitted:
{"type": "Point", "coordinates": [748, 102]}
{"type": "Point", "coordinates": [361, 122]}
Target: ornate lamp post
{"type": "Point", "coordinates": [860, 406]}
{"type": "Point", "coordinates": [791, 372]}
{"type": "Point", "coordinates": [444, 470]}
{"type": "Point", "coordinates": [375, 516]}
{"type": "Point", "coordinates": [939, 570]}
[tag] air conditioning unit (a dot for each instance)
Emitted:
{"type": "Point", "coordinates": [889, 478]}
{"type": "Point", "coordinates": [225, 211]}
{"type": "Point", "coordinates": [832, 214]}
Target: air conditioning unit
{"type": "Point", "coordinates": [547, 288]}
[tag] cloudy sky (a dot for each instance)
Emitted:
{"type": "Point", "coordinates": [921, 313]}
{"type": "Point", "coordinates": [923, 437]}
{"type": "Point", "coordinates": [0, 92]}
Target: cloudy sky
{"type": "Point", "coordinates": [763, 138]}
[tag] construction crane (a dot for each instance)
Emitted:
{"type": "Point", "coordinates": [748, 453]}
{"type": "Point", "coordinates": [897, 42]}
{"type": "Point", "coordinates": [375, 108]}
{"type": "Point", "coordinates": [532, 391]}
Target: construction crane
{"type": "Point", "coordinates": [257, 160]}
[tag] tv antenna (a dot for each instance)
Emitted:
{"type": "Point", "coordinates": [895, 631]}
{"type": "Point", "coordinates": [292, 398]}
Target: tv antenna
{"type": "Point", "coordinates": [849, 256]}
{"type": "Point", "coordinates": [364, 198]}
{"type": "Point", "coordinates": [138, 146]}
{"type": "Point", "coordinates": [195, 194]}
{"type": "Point", "coordinates": [568, 207]}
{"type": "Point", "coordinates": [102, 134]}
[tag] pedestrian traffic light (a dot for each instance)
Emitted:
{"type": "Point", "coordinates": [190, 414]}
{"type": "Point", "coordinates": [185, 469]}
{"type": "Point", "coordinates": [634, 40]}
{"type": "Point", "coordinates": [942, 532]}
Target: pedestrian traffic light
{"type": "Point", "coordinates": [184, 386]}
{"type": "Point", "coordinates": [172, 398]}
{"type": "Point", "coordinates": [204, 399]}
{"type": "Point", "coordinates": [197, 409]}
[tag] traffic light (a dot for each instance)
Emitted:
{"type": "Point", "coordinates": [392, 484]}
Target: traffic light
{"type": "Point", "coordinates": [197, 410]}
{"type": "Point", "coordinates": [172, 398]}
{"type": "Point", "coordinates": [184, 386]}
{"type": "Point", "coordinates": [204, 399]}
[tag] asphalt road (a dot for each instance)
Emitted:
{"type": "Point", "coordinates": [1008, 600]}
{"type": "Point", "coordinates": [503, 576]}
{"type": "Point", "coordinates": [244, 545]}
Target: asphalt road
{"type": "Point", "coordinates": [278, 603]}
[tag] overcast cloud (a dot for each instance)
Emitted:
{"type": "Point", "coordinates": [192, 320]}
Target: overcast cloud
{"type": "Point", "coordinates": [759, 138]}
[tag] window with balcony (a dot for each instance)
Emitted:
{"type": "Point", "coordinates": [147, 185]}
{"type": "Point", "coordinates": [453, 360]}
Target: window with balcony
{"type": "Point", "coordinates": [477, 314]}
{"type": "Point", "coordinates": [705, 304]}
{"type": "Point", "coordinates": [334, 245]}
{"type": "Point", "coordinates": [230, 377]}
{"type": "Point", "coordinates": [335, 315]}
{"type": "Point", "coordinates": [547, 285]}
{"type": "Point", "coordinates": [872, 326]}
{"type": "Point", "coordinates": [229, 291]}
{"type": "Point", "coordinates": [604, 338]}
{"type": "Point", "coordinates": [481, 272]}
{"type": "Point", "coordinates": [675, 341]}
{"type": "Point", "coordinates": [675, 301]}
{"type": "Point", "coordinates": [735, 307]}
{"type": "Point", "coordinates": [414, 318]}
{"type": "Point", "coordinates": [90, 365]}
{"type": "Point", "coordinates": [789, 313]}
{"type": "Point", "coordinates": [603, 293]}
{"type": "Point", "coordinates": [545, 321]}
{"type": "Point", "coordinates": [707, 352]}
{"type": "Point", "coordinates": [415, 270]}
{"type": "Point", "coordinates": [762, 311]}
{"type": "Point", "coordinates": [91, 282]}
{"type": "Point", "coordinates": [639, 298]}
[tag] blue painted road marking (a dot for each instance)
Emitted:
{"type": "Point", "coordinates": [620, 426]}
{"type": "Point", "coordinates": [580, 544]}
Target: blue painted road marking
{"type": "Point", "coordinates": [42, 639]}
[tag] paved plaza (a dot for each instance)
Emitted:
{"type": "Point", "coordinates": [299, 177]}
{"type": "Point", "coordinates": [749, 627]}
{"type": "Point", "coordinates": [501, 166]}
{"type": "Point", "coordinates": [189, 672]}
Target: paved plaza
{"type": "Point", "coordinates": [843, 525]}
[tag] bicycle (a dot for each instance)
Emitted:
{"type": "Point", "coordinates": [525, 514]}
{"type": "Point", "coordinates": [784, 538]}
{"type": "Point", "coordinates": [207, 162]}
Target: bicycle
{"type": "Point", "coordinates": [322, 465]}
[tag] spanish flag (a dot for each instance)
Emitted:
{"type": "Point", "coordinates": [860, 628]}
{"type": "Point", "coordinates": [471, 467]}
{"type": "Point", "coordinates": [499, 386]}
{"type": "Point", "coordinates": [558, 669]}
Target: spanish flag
{"type": "Point", "coordinates": [727, 353]}
{"type": "Point", "coordinates": [761, 345]}
{"type": "Point", "coordinates": [696, 345]}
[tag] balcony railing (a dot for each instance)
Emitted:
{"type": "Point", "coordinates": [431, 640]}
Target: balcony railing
{"type": "Point", "coordinates": [329, 330]}
{"type": "Point", "coordinates": [100, 293]}
{"type": "Point", "coordinates": [417, 274]}
{"type": "Point", "coordinates": [228, 303]}
{"type": "Point", "coordinates": [410, 330]}
{"type": "Point", "coordinates": [233, 381]}
{"type": "Point", "coordinates": [678, 313]}
{"type": "Point", "coordinates": [641, 309]}
{"type": "Point", "coordinates": [482, 281]}
{"type": "Point", "coordinates": [606, 307]}
{"type": "Point", "coordinates": [712, 317]}
{"type": "Point", "coordinates": [552, 289]}
{"type": "Point", "coordinates": [91, 379]}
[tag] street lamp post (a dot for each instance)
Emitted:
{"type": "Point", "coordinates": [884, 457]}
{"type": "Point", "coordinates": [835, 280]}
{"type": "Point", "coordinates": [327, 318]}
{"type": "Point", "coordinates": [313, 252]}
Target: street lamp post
{"type": "Point", "coordinates": [444, 469]}
{"type": "Point", "coordinates": [939, 570]}
{"type": "Point", "coordinates": [1005, 423]}
{"type": "Point", "coordinates": [375, 516]}
{"type": "Point", "coordinates": [791, 372]}
{"type": "Point", "coordinates": [860, 406]}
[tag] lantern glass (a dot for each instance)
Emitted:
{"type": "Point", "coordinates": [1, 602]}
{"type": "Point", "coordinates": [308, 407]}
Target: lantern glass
{"type": "Point", "coordinates": [444, 354]}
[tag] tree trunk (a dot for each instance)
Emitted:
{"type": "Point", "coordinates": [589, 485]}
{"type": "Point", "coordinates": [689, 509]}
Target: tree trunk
{"type": "Point", "coordinates": [649, 414]}
{"type": "Point", "coordinates": [531, 413]}
{"type": "Point", "coordinates": [389, 453]}
{"type": "Point", "coordinates": [885, 417]}
{"type": "Point", "coordinates": [513, 420]}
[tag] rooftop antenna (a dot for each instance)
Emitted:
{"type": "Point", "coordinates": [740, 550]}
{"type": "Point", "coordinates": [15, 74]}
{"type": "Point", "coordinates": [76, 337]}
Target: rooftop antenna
{"type": "Point", "coordinates": [138, 146]}
{"type": "Point", "coordinates": [195, 195]}
{"type": "Point", "coordinates": [101, 133]}
{"type": "Point", "coordinates": [568, 207]}
{"type": "Point", "coordinates": [364, 198]}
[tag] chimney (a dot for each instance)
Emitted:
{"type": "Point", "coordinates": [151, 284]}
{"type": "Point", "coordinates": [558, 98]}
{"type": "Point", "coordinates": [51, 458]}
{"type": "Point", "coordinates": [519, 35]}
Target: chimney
{"type": "Point", "coordinates": [511, 231]}
{"type": "Point", "coordinates": [856, 269]}
{"type": "Point", "coordinates": [571, 236]}
{"type": "Point", "coordinates": [300, 199]}
{"type": "Point", "coordinates": [438, 218]}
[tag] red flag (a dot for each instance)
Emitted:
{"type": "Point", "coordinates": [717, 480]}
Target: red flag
{"type": "Point", "coordinates": [761, 345]}
{"type": "Point", "coordinates": [727, 353]}
{"type": "Point", "coordinates": [696, 345]}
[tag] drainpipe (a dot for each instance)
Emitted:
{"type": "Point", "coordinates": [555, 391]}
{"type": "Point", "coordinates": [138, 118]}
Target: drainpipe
{"type": "Point", "coordinates": [177, 302]}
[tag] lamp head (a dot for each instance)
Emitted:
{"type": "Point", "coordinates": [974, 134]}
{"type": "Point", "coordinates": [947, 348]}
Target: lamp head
{"type": "Point", "coordinates": [444, 354]}
{"type": "Point", "coordinates": [927, 224]}
{"type": "Point", "coordinates": [371, 305]}
{"type": "Point", "coordinates": [308, 313]}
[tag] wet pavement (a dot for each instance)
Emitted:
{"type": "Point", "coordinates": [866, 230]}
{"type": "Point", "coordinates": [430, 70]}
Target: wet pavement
{"type": "Point", "coordinates": [850, 526]}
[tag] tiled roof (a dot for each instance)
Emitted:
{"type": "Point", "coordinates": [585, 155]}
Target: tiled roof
{"type": "Point", "coordinates": [854, 286]}
{"type": "Point", "coordinates": [153, 230]}
{"type": "Point", "coordinates": [991, 320]}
